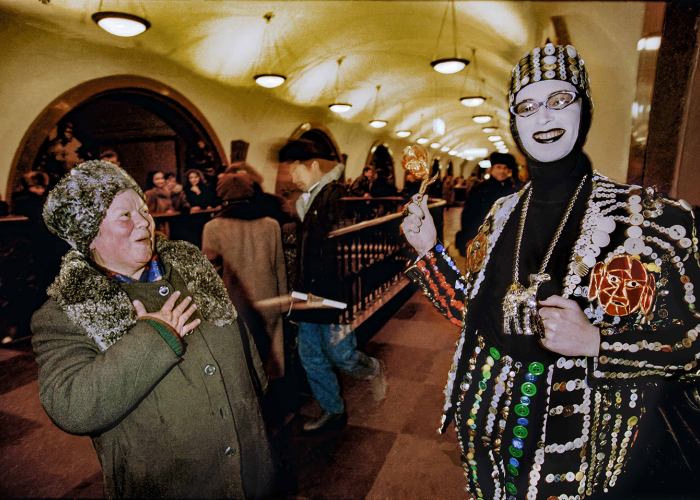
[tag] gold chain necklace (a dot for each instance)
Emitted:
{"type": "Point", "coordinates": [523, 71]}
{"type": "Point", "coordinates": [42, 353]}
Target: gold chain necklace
{"type": "Point", "coordinates": [520, 304]}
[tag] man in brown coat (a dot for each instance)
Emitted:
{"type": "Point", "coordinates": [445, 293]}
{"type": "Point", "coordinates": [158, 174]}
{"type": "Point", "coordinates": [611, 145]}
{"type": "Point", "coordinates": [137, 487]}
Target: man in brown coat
{"type": "Point", "coordinates": [139, 348]}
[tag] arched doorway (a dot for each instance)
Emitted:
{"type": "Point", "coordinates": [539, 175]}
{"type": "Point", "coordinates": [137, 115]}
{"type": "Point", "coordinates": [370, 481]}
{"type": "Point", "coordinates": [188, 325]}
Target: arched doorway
{"type": "Point", "coordinates": [382, 160]}
{"type": "Point", "coordinates": [148, 124]}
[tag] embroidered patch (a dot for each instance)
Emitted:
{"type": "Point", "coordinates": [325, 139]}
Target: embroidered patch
{"type": "Point", "coordinates": [622, 286]}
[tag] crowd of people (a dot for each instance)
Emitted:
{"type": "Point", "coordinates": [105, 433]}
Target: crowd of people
{"type": "Point", "coordinates": [162, 352]}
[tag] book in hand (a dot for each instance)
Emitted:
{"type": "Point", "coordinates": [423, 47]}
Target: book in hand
{"type": "Point", "coordinates": [323, 301]}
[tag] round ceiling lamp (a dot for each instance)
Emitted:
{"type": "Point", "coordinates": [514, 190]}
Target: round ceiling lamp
{"type": "Point", "coordinates": [482, 118]}
{"type": "Point", "coordinates": [422, 140]}
{"type": "Point", "coordinates": [445, 149]}
{"type": "Point", "coordinates": [403, 133]}
{"type": "Point", "coordinates": [435, 145]}
{"type": "Point", "coordinates": [495, 138]}
{"type": "Point", "coordinates": [449, 65]}
{"type": "Point", "coordinates": [270, 81]}
{"type": "Point", "coordinates": [472, 101]}
{"type": "Point", "coordinates": [488, 130]}
{"type": "Point", "coordinates": [340, 107]}
{"type": "Point", "coordinates": [120, 23]}
{"type": "Point", "coordinates": [378, 123]}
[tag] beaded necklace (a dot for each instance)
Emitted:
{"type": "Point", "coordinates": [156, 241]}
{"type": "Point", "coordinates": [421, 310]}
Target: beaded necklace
{"type": "Point", "coordinates": [520, 304]}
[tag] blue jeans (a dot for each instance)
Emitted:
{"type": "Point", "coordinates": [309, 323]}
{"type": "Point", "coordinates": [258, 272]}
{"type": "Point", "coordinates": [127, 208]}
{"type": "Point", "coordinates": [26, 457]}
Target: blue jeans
{"type": "Point", "coordinates": [324, 346]}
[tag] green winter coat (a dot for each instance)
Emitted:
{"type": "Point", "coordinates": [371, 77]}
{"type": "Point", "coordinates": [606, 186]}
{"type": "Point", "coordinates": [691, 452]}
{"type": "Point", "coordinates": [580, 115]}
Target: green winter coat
{"type": "Point", "coordinates": [163, 425]}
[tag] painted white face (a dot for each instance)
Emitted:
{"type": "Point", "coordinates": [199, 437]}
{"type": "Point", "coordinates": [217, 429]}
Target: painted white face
{"type": "Point", "coordinates": [548, 134]}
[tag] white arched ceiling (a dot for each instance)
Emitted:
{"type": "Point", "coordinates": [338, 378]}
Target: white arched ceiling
{"type": "Point", "coordinates": [387, 43]}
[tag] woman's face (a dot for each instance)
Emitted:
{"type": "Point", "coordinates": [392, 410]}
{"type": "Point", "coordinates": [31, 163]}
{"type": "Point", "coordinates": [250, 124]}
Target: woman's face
{"type": "Point", "coordinates": [193, 178]}
{"type": "Point", "coordinates": [548, 134]}
{"type": "Point", "coordinates": [124, 243]}
{"type": "Point", "coordinates": [159, 179]}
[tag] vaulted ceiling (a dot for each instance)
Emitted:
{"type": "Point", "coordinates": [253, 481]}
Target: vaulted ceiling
{"type": "Point", "coordinates": [382, 43]}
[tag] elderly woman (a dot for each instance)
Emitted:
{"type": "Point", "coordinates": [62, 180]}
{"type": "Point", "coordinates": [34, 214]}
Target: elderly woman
{"type": "Point", "coordinates": [139, 348]}
{"type": "Point", "coordinates": [560, 355]}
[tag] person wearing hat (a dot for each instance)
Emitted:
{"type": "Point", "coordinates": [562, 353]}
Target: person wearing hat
{"type": "Point", "coordinates": [324, 342]}
{"type": "Point", "coordinates": [249, 244]}
{"type": "Point", "coordinates": [139, 348]}
{"type": "Point", "coordinates": [577, 299]}
{"type": "Point", "coordinates": [482, 197]}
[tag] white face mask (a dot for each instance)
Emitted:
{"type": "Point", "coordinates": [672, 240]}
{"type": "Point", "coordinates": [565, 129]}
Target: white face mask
{"type": "Point", "coordinates": [548, 134]}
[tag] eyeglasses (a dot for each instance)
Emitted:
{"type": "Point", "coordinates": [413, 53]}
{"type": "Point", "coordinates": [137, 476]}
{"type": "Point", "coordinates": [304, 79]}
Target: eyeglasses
{"type": "Point", "coordinates": [557, 100]}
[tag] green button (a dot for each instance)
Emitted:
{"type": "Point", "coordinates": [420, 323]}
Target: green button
{"type": "Point", "coordinates": [495, 354]}
{"type": "Point", "coordinates": [513, 470]}
{"type": "Point", "coordinates": [486, 375]}
{"type": "Point", "coordinates": [510, 488]}
{"type": "Point", "coordinates": [529, 389]}
{"type": "Point", "coordinates": [520, 431]}
{"type": "Point", "coordinates": [482, 385]}
{"type": "Point", "coordinates": [521, 410]}
{"type": "Point", "coordinates": [536, 368]}
{"type": "Point", "coordinates": [514, 452]}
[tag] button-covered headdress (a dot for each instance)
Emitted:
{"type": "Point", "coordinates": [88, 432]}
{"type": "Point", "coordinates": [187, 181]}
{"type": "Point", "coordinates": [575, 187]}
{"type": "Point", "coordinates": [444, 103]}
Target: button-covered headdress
{"type": "Point", "coordinates": [553, 62]}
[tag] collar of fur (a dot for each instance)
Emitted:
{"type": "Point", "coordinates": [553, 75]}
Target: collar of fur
{"type": "Point", "coordinates": [100, 306]}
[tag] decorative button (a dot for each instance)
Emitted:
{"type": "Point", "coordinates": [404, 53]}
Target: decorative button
{"type": "Point", "coordinates": [520, 431]}
{"type": "Point", "coordinates": [515, 451]}
{"type": "Point", "coordinates": [521, 410]}
{"type": "Point", "coordinates": [529, 389]}
{"type": "Point", "coordinates": [163, 291]}
{"type": "Point", "coordinates": [536, 368]}
{"type": "Point", "coordinates": [229, 451]}
{"type": "Point", "coordinates": [495, 354]}
{"type": "Point", "coordinates": [209, 369]}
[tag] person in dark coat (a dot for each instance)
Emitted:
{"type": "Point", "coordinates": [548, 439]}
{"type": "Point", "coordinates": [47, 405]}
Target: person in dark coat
{"type": "Point", "coordinates": [140, 348]}
{"type": "Point", "coordinates": [324, 343]}
{"type": "Point", "coordinates": [482, 197]}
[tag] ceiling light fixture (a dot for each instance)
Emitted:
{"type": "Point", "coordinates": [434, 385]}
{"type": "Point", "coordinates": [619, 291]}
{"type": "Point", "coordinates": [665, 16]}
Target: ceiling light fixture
{"type": "Point", "coordinates": [121, 23]}
{"type": "Point", "coordinates": [482, 118]}
{"type": "Point", "coordinates": [472, 101]}
{"type": "Point", "coordinates": [445, 149]}
{"type": "Point", "coordinates": [339, 107]}
{"type": "Point", "coordinates": [376, 122]}
{"type": "Point", "coordinates": [403, 133]}
{"type": "Point", "coordinates": [494, 138]}
{"type": "Point", "coordinates": [268, 80]}
{"type": "Point", "coordinates": [488, 130]}
{"type": "Point", "coordinates": [422, 140]}
{"type": "Point", "coordinates": [435, 145]}
{"type": "Point", "coordinates": [454, 64]}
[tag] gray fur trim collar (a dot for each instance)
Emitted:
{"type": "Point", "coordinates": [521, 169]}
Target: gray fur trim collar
{"type": "Point", "coordinates": [99, 305]}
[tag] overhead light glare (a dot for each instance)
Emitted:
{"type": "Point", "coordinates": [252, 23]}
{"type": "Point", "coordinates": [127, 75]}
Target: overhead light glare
{"type": "Point", "coordinates": [403, 133]}
{"type": "Point", "coordinates": [481, 118]}
{"type": "Point", "coordinates": [449, 65]}
{"type": "Point", "coordinates": [499, 144]}
{"type": "Point", "coordinates": [121, 23]}
{"type": "Point", "coordinates": [340, 107]}
{"type": "Point", "coordinates": [378, 123]}
{"type": "Point", "coordinates": [649, 43]}
{"type": "Point", "coordinates": [485, 164]}
{"type": "Point", "coordinates": [435, 145]}
{"type": "Point", "coordinates": [269, 81]}
{"type": "Point", "coordinates": [453, 152]}
{"type": "Point", "coordinates": [438, 126]}
{"type": "Point", "coordinates": [488, 130]}
{"type": "Point", "coordinates": [476, 152]}
{"type": "Point", "coordinates": [495, 138]}
{"type": "Point", "coordinates": [472, 101]}
{"type": "Point", "coordinates": [445, 149]}
{"type": "Point", "coordinates": [422, 140]}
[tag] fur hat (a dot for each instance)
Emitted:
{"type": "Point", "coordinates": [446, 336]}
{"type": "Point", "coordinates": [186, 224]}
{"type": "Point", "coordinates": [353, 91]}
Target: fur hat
{"type": "Point", "coordinates": [234, 187]}
{"type": "Point", "coordinates": [75, 208]}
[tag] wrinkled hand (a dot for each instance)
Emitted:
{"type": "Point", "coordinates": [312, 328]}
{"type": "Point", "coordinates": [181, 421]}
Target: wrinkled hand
{"type": "Point", "coordinates": [418, 225]}
{"type": "Point", "coordinates": [567, 330]}
{"type": "Point", "coordinates": [174, 316]}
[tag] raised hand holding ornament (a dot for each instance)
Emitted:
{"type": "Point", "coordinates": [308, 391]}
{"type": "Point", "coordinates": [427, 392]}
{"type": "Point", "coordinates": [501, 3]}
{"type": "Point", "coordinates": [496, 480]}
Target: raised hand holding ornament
{"type": "Point", "coordinates": [418, 225]}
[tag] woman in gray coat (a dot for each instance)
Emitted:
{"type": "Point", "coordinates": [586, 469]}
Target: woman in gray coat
{"type": "Point", "coordinates": [139, 348]}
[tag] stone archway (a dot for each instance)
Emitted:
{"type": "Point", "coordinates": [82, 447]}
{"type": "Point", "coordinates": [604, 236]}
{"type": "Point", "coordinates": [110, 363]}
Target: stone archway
{"type": "Point", "coordinates": [171, 118]}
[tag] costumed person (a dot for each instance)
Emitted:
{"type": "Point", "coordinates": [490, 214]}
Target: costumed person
{"type": "Point", "coordinates": [139, 348]}
{"type": "Point", "coordinates": [578, 298]}
{"type": "Point", "coordinates": [249, 244]}
{"type": "Point", "coordinates": [324, 343]}
{"type": "Point", "coordinates": [482, 197]}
